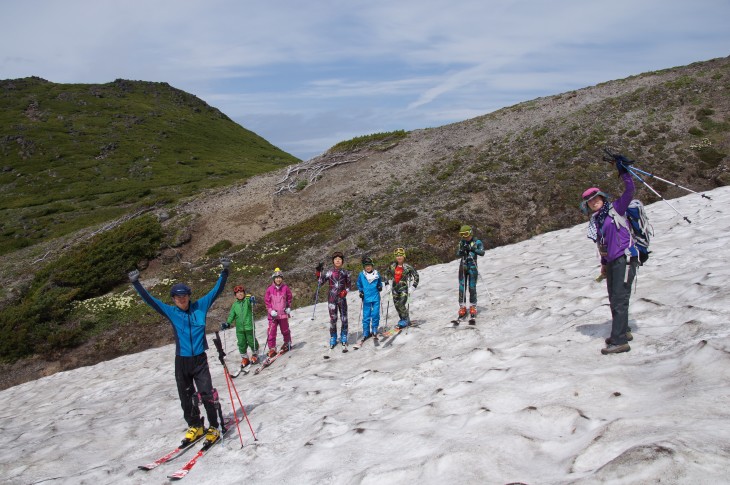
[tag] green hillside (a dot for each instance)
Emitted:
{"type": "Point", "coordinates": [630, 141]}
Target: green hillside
{"type": "Point", "coordinates": [72, 155]}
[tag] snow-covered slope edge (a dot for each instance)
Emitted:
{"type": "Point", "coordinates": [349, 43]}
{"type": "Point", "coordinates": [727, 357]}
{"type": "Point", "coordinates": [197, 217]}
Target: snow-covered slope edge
{"type": "Point", "coordinates": [526, 396]}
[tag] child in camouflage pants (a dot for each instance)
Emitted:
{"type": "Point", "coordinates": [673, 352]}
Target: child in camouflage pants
{"type": "Point", "coordinates": [401, 274]}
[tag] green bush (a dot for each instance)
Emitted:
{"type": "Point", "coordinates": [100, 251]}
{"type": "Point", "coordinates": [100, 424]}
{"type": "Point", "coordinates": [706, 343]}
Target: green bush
{"type": "Point", "coordinates": [695, 131]}
{"type": "Point", "coordinates": [375, 138]}
{"type": "Point", "coordinates": [37, 323]}
{"type": "Point", "coordinates": [219, 247]}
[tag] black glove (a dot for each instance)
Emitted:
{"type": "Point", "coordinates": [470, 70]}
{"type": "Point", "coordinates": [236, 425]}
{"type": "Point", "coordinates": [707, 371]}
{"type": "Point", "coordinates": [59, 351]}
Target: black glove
{"type": "Point", "coordinates": [621, 163]}
{"type": "Point", "coordinates": [226, 262]}
{"type": "Point", "coordinates": [320, 267]}
{"type": "Point", "coordinates": [362, 295]}
{"type": "Point", "coordinates": [379, 288]}
{"type": "Point", "coordinates": [225, 326]}
{"type": "Point", "coordinates": [133, 276]}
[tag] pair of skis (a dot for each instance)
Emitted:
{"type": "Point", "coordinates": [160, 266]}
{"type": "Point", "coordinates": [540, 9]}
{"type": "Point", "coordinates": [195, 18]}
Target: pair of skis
{"type": "Point", "coordinates": [471, 319]}
{"type": "Point", "coordinates": [269, 360]}
{"type": "Point", "coordinates": [332, 347]}
{"type": "Point", "coordinates": [181, 449]}
{"type": "Point", "coordinates": [244, 369]}
{"type": "Point", "coordinates": [374, 338]}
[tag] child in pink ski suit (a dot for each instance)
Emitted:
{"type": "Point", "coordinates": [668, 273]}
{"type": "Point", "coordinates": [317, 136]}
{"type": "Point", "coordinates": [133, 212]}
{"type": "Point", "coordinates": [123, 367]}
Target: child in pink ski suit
{"type": "Point", "coordinates": [278, 299]}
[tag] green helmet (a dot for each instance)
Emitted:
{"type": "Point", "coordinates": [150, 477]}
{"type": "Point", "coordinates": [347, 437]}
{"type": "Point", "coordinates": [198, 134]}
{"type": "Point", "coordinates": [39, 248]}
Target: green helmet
{"type": "Point", "coordinates": [465, 231]}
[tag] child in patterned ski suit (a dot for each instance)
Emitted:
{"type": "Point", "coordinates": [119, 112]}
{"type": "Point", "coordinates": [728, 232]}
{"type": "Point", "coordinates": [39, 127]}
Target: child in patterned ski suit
{"type": "Point", "coordinates": [241, 315]}
{"type": "Point", "coordinates": [402, 274]}
{"type": "Point", "coordinates": [369, 286]}
{"type": "Point", "coordinates": [278, 300]}
{"type": "Point", "coordinates": [339, 281]}
{"type": "Point", "coordinates": [469, 249]}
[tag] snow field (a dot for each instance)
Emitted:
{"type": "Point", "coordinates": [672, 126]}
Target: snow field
{"type": "Point", "coordinates": [525, 396]}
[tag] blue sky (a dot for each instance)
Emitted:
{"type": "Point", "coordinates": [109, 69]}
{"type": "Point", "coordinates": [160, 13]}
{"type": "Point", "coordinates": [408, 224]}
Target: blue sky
{"type": "Point", "coordinates": [305, 75]}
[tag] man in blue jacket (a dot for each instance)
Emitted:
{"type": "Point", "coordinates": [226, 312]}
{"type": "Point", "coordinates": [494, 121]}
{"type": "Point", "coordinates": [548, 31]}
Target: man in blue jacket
{"type": "Point", "coordinates": [194, 383]}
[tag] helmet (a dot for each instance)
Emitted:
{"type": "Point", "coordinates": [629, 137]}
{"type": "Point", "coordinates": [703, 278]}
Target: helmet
{"type": "Point", "coordinates": [399, 252]}
{"type": "Point", "coordinates": [589, 194]}
{"type": "Point", "coordinates": [465, 231]}
{"type": "Point", "coordinates": [238, 288]}
{"type": "Point", "coordinates": [277, 273]}
{"type": "Point", "coordinates": [367, 261]}
{"type": "Point", "coordinates": [179, 289]}
{"type": "Point", "coordinates": [338, 254]}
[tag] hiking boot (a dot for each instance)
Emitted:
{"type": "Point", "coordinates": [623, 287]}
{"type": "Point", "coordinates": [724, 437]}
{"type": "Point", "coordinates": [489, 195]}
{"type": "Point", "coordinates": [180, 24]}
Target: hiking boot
{"type": "Point", "coordinates": [629, 338]}
{"type": "Point", "coordinates": [472, 311]}
{"type": "Point", "coordinates": [193, 433]}
{"type": "Point", "coordinates": [402, 324]}
{"type": "Point", "coordinates": [254, 359]}
{"type": "Point", "coordinates": [212, 435]}
{"type": "Point", "coordinates": [272, 352]}
{"type": "Point", "coordinates": [462, 311]}
{"type": "Point", "coordinates": [615, 349]}
{"type": "Point", "coordinates": [286, 347]}
{"type": "Point", "coordinates": [245, 362]}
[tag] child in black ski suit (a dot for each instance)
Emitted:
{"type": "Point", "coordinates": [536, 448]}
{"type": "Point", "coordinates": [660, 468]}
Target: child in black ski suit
{"type": "Point", "coordinates": [339, 280]}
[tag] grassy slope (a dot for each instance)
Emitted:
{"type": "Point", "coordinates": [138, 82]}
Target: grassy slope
{"type": "Point", "coordinates": [72, 155]}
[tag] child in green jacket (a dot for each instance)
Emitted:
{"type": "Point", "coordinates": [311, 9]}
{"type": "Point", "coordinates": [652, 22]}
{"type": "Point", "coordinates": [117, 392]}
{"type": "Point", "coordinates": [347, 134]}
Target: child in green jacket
{"type": "Point", "coordinates": [241, 315]}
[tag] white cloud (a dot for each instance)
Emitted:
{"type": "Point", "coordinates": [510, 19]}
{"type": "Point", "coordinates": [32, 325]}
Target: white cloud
{"type": "Point", "coordinates": [403, 61]}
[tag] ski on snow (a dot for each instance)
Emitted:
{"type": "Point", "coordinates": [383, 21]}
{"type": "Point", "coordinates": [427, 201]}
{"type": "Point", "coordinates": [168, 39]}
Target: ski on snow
{"type": "Point", "coordinates": [241, 370]}
{"type": "Point", "coordinates": [329, 354]}
{"type": "Point", "coordinates": [185, 469]}
{"type": "Point", "coordinates": [362, 341]}
{"type": "Point", "coordinates": [455, 323]}
{"type": "Point", "coordinates": [268, 361]}
{"type": "Point", "coordinates": [182, 448]}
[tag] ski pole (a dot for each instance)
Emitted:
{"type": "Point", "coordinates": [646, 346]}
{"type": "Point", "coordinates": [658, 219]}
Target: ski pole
{"type": "Point", "coordinates": [387, 308]}
{"type": "Point", "coordinates": [669, 182]}
{"type": "Point", "coordinates": [359, 316]}
{"type": "Point", "coordinates": [255, 341]}
{"type": "Point", "coordinates": [630, 170]}
{"type": "Point", "coordinates": [221, 357]}
{"type": "Point", "coordinates": [316, 298]}
{"type": "Point", "coordinates": [230, 379]}
{"type": "Point", "coordinates": [626, 164]}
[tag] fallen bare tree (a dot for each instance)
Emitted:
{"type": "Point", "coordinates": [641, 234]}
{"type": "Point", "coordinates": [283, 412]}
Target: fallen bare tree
{"type": "Point", "coordinates": [308, 172]}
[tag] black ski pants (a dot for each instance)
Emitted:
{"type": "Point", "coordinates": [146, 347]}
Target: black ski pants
{"type": "Point", "coordinates": [194, 384]}
{"type": "Point", "coordinates": [620, 275]}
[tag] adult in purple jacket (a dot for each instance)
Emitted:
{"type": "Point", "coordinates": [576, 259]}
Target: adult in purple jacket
{"type": "Point", "coordinates": [609, 229]}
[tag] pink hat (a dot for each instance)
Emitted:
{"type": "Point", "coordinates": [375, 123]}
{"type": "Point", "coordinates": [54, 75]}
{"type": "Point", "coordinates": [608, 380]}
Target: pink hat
{"type": "Point", "coordinates": [590, 193]}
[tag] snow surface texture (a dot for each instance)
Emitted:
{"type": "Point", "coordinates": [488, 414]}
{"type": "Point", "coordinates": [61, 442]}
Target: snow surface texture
{"type": "Point", "coordinates": [525, 396]}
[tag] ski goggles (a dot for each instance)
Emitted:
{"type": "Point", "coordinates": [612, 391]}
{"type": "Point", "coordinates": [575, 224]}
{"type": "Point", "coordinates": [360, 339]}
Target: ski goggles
{"type": "Point", "coordinates": [465, 234]}
{"type": "Point", "coordinates": [399, 252]}
{"type": "Point", "coordinates": [239, 288]}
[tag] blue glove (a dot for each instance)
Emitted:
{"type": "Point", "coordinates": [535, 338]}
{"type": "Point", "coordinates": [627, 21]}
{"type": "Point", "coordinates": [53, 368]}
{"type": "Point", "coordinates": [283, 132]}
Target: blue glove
{"type": "Point", "coordinates": [253, 300]}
